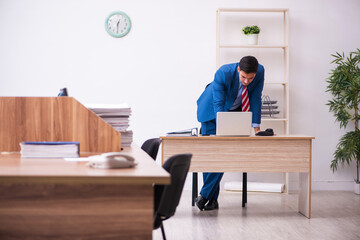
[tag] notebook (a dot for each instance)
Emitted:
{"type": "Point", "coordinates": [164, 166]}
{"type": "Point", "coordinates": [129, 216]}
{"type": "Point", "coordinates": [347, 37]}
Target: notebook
{"type": "Point", "coordinates": [233, 123]}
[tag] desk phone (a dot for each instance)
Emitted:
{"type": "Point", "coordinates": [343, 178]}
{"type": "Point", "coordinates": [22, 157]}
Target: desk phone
{"type": "Point", "coordinates": [112, 160]}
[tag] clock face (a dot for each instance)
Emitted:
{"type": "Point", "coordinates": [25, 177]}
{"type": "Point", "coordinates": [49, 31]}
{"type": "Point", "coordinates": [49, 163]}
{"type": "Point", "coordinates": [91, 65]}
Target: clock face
{"type": "Point", "coordinates": [118, 24]}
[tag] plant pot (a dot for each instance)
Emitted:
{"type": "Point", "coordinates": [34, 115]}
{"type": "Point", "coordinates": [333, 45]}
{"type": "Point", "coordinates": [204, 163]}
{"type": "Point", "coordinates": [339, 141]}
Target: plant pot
{"type": "Point", "coordinates": [357, 188]}
{"type": "Point", "coordinates": [253, 39]}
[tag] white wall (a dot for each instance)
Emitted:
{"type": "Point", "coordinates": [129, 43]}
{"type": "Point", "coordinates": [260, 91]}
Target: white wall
{"type": "Point", "coordinates": [163, 64]}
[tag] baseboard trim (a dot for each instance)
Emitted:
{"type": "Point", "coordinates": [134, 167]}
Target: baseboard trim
{"type": "Point", "coordinates": [332, 185]}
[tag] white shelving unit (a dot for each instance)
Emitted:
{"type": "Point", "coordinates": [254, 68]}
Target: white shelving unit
{"type": "Point", "coordinates": [283, 46]}
{"type": "Point", "coordinates": [279, 44]}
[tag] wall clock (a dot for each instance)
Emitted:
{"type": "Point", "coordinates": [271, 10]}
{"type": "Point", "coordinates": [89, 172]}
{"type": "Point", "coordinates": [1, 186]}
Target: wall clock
{"type": "Point", "coordinates": [118, 24]}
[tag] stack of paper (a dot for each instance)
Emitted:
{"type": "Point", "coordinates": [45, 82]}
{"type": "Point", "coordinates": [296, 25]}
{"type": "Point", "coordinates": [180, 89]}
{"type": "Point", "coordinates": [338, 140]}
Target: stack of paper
{"type": "Point", "coordinates": [116, 115]}
{"type": "Point", "coordinates": [120, 123]}
{"type": "Point", "coordinates": [126, 137]}
{"type": "Point", "coordinates": [49, 149]}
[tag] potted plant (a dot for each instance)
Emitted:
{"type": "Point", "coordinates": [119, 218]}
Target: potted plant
{"type": "Point", "coordinates": [344, 85]}
{"type": "Point", "coordinates": [252, 32]}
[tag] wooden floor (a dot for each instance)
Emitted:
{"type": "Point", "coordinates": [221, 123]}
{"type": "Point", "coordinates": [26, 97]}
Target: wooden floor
{"type": "Point", "coordinates": [335, 215]}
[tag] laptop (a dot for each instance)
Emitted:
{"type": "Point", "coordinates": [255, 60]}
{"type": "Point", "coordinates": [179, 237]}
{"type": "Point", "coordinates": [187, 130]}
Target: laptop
{"type": "Point", "coordinates": [233, 123]}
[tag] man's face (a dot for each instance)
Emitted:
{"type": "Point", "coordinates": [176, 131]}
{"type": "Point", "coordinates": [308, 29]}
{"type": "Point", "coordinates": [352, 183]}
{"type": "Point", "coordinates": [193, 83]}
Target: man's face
{"type": "Point", "coordinates": [246, 78]}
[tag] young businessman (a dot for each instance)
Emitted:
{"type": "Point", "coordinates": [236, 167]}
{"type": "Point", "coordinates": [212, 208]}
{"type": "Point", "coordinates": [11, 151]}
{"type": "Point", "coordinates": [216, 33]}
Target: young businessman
{"type": "Point", "coordinates": [224, 94]}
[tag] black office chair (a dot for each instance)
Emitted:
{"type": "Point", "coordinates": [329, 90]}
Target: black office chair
{"type": "Point", "coordinates": [166, 198]}
{"type": "Point", "coordinates": [151, 147]}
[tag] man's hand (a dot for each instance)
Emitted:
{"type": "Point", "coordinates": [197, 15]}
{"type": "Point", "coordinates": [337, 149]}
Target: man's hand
{"type": "Point", "coordinates": [256, 129]}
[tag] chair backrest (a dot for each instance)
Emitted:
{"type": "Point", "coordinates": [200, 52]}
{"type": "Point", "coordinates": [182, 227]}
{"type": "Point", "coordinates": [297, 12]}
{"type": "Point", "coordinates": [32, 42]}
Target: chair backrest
{"type": "Point", "coordinates": [151, 147]}
{"type": "Point", "coordinates": [178, 167]}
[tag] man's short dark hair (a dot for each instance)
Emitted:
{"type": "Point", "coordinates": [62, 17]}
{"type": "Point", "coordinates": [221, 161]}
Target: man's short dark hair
{"type": "Point", "coordinates": [249, 64]}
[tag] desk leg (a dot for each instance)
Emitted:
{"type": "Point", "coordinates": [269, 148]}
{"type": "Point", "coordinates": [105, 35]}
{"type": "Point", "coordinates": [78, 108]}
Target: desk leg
{"type": "Point", "coordinates": [194, 187]}
{"type": "Point", "coordinates": [244, 189]}
{"type": "Point", "coordinates": [305, 194]}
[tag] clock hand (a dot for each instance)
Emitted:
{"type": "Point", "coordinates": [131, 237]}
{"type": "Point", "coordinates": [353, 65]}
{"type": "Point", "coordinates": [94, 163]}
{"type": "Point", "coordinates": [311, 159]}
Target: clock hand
{"type": "Point", "coordinates": [117, 26]}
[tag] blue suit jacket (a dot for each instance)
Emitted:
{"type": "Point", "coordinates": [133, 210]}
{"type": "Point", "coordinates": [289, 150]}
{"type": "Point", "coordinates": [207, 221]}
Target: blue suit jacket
{"type": "Point", "coordinates": [221, 93]}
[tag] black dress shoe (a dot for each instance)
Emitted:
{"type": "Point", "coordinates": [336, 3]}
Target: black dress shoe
{"type": "Point", "coordinates": [212, 205]}
{"type": "Point", "coordinates": [200, 202]}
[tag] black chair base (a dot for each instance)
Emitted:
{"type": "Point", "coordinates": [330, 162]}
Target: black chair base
{"type": "Point", "coordinates": [163, 231]}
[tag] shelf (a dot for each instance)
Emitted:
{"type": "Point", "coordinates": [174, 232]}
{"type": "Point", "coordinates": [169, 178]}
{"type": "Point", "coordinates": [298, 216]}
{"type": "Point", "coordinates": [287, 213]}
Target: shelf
{"type": "Point", "coordinates": [273, 119]}
{"type": "Point", "coordinates": [280, 47]}
{"type": "Point", "coordinates": [253, 46]}
{"type": "Point", "coordinates": [253, 10]}
{"type": "Point", "coordinates": [275, 83]}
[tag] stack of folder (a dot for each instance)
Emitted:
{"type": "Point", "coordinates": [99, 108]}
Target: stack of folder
{"type": "Point", "coordinates": [116, 115]}
{"type": "Point", "coordinates": [49, 149]}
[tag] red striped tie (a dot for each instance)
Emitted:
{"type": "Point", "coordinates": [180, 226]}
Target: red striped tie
{"type": "Point", "coordinates": [245, 100]}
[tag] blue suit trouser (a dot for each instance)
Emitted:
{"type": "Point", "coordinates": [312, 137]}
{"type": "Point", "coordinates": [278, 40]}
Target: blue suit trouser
{"type": "Point", "coordinates": [211, 187]}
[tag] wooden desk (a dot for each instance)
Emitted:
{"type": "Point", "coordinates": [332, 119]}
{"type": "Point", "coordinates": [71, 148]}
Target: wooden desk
{"type": "Point", "coordinates": [278, 154]}
{"type": "Point", "coordinates": [52, 198]}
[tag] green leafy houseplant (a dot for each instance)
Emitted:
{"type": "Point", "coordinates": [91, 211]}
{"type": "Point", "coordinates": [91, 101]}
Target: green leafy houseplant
{"type": "Point", "coordinates": [251, 30]}
{"type": "Point", "coordinates": [344, 85]}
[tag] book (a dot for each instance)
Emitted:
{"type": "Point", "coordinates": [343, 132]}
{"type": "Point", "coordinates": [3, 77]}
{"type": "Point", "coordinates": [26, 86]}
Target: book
{"type": "Point", "coordinates": [184, 133]}
{"type": "Point", "coordinates": [50, 149]}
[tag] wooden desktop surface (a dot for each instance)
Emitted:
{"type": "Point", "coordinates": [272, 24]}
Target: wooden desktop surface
{"type": "Point", "coordinates": [14, 169]}
{"type": "Point", "coordinates": [53, 198]}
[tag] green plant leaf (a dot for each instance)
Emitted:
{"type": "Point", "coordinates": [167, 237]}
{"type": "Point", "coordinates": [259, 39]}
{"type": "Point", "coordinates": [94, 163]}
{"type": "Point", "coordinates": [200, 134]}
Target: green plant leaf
{"type": "Point", "coordinates": [344, 85]}
{"type": "Point", "coordinates": [348, 149]}
{"type": "Point", "coordinates": [251, 30]}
